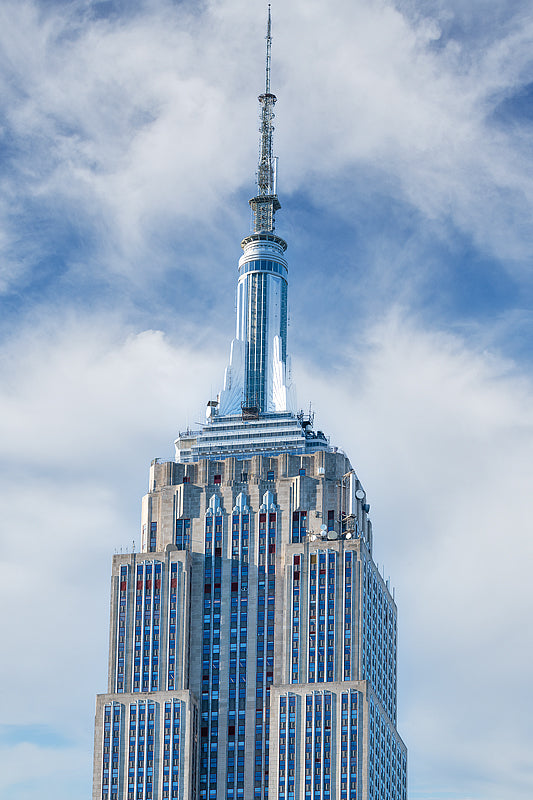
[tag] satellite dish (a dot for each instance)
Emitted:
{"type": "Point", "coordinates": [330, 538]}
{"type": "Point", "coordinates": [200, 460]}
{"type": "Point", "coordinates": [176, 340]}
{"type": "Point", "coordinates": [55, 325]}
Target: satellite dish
{"type": "Point", "coordinates": [348, 535]}
{"type": "Point", "coordinates": [360, 494]}
{"type": "Point", "coordinates": [323, 527]}
{"type": "Point", "coordinates": [332, 534]}
{"type": "Point", "coordinates": [312, 537]}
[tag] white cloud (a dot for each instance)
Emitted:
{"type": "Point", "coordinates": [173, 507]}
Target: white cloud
{"type": "Point", "coordinates": [131, 130]}
{"type": "Point", "coordinates": [126, 125]}
{"type": "Point", "coordinates": [442, 438]}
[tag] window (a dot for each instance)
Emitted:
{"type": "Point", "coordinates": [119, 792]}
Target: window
{"type": "Point", "coordinates": [301, 472]}
{"type": "Point", "coordinates": [270, 475]}
{"type": "Point", "coordinates": [217, 480]}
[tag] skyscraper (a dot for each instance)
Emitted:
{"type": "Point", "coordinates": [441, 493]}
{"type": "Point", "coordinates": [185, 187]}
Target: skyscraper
{"type": "Point", "coordinates": [252, 639]}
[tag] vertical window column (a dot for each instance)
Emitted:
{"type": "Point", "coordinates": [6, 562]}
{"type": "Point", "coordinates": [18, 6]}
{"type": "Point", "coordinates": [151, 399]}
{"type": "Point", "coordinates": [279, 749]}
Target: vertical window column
{"type": "Point", "coordinates": [243, 647]}
{"type": "Point", "coordinates": [331, 587]}
{"type": "Point", "coordinates": [206, 655]}
{"type": "Point", "coordinates": [211, 655]}
{"type": "Point", "coordinates": [344, 745]}
{"type": "Point", "coordinates": [156, 627]}
{"type": "Point", "coordinates": [327, 746]}
{"type": "Point", "coordinates": [261, 654]}
{"type": "Point", "coordinates": [132, 748]}
{"type": "Point", "coordinates": [121, 628]}
{"type": "Point", "coordinates": [353, 744]}
{"type": "Point", "coordinates": [268, 523]}
{"type": "Point", "coordinates": [183, 534]}
{"type": "Point", "coordinates": [321, 636]}
{"type": "Point", "coordinates": [282, 748]}
{"type": "Point", "coordinates": [308, 746]}
{"type": "Point", "coordinates": [147, 628]}
{"type": "Point", "coordinates": [172, 603]}
{"type": "Point", "coordinates": [149, 750]}
{"type": "Point", "coordinates": [112, 714]}
{"type": "Point", "coordinates": [140, 766]}
{"type": "Point", "coordinates": [312, 616]}
{"type": "Point", "coordinates": [318, 755]}
{"type": "Point", "coordinates": [299, 525]}
{"type": "Point", "coordinates": [167, 750]}
{"type": "Point", "coordinates": [139, 636]}
{"type": "Point", "coordinates": [295, 642]}
{"type": "Point", "coordinates": [175, 753]}
{"type": "Point", "coordinates": [291, 746]}
{"type": "Point", "coordinates": [153, 536]}
{"type": "Point", "coordinates": [233, 674]}
{"type": "Point", "coordinates": [347, 653]}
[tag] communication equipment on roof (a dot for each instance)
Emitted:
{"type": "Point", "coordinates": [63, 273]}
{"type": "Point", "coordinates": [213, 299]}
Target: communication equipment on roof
{"type": "Point", "coordinates": [360, 494]}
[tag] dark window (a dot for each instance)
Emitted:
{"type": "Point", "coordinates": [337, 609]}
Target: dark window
{"type": "Point", "coordinates": [301, 472]}
{"type": "Point", "coordinates": [270, 475]}
{"type": "Point", "coordinates": [217, 480]}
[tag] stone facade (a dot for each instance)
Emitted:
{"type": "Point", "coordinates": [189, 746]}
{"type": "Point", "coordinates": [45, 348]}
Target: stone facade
{"type": "Point", "coordinates": [254, 590]}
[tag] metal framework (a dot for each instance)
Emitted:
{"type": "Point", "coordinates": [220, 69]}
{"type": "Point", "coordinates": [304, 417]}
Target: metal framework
{"type": "Point", "coordinates": [266, 203]}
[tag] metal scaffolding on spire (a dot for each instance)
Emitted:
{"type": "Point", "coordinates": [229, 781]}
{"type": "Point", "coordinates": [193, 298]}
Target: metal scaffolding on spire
{"type": "Point", "coordinates": [266, 203]}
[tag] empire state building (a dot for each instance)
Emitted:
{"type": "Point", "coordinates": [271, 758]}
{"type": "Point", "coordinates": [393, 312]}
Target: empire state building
{"type": "Point", "coordinates": [252, 648]}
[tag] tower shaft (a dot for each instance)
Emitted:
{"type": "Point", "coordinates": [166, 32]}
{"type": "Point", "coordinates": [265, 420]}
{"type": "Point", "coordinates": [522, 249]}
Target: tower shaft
{"type": "Point", "coordinates": [252, 651]}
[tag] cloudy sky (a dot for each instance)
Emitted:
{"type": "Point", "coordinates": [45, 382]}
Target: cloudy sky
{"type": "Point", "coordinates": [128, 136]}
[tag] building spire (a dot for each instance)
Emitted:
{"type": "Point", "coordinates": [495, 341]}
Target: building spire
{"type": "Point", "coordinates": [266, 203]}
{"type": "Point", "coordinates": [268, 52]}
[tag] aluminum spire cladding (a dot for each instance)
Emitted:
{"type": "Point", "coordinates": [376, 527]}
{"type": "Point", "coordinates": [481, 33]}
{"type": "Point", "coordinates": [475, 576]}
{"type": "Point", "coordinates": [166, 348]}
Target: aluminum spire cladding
{"type": "Point", "coordinates": [256, 410]}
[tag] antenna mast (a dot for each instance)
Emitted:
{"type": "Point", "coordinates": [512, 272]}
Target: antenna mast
{"type": "Point", "coordinates": [266, 203]}
{"type": "Point", "coordinates": [268, 52]}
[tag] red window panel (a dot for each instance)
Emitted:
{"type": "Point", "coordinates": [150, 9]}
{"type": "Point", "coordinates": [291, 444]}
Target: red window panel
{"type": "Point", "coordinates": [123, 586]}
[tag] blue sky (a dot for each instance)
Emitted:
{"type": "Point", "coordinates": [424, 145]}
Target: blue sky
{"type": "Point", "coordinates": [128, 142]}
